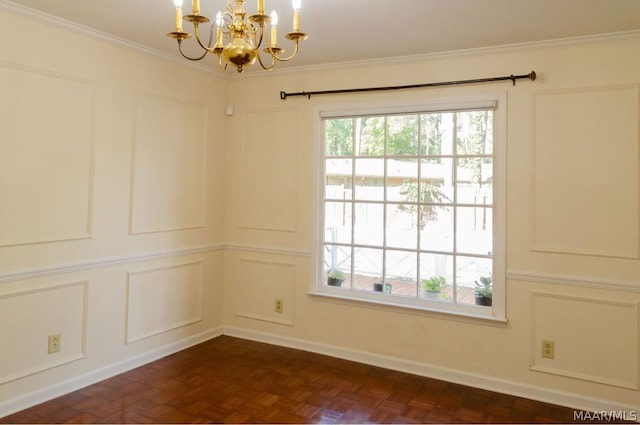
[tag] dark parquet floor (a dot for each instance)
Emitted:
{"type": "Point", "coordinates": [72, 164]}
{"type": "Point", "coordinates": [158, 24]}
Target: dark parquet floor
{"type": "Point", "coordinates": [231, 380]}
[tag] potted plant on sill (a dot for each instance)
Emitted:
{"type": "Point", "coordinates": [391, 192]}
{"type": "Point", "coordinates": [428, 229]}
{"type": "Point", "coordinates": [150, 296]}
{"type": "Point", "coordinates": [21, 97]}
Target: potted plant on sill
{"type": "Point", "coordinates": [483, 291]}
{"type": "Point", "coordinates": [335, 277]}
{"type": "Point", "coordinates": [433, 287]}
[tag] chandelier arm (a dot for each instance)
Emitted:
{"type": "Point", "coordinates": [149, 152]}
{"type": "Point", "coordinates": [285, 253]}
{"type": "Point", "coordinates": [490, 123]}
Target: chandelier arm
{"type": "Point", "coordinates": [261, 38]}
{"type": "Point", "coordinates": [190, 58]}
{"type": "Point", "coordinates": [235, 37]}
{"type": "Point", "coordinates": [266, 68]}
{"type": "Point", "coordinates": [285, 59]}
{"type": "Point", "coordinates": [257, 48]}
{"type": "Point", "coordinates": [207, 48]}
{"type": "Point", "coordinates": [227, 18]}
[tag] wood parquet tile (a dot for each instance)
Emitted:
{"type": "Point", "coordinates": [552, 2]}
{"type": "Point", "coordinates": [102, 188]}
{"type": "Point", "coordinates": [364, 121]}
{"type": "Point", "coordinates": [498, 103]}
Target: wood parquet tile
{"type": "Point", "coordinates": [230, 380]}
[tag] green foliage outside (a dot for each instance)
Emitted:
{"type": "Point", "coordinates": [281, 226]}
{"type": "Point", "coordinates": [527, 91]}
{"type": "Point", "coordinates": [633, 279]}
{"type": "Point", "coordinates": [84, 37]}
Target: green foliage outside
{"type": "Point", "coordinates": [473, 139]}
{"type": "Point", "coordinates": [414, 135]}
{"type": "Point", "coordinates": [423, 139]}
{"type": "Point", "coordinates": [409, 135]}
{"type": "Point", "coordinates": [427, 194]}
{"type": "Point", "coordinates": [365, 136]}
{"type": "Point", "coordinates": [339, 137]}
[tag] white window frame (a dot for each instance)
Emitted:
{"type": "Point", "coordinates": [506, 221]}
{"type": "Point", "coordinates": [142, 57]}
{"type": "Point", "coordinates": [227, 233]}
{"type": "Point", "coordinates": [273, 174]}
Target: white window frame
{"type": "Point", "coordinates": [495, 313]}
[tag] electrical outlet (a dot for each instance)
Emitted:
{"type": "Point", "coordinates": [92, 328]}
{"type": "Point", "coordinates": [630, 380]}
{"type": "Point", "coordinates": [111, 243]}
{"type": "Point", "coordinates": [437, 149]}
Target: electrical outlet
{"type": "Point", "coordinates": [54, 343]}
{"type": "Point", "coordinates": [548, 349]}
{"type": "Point", "coordinates": [278, 305]}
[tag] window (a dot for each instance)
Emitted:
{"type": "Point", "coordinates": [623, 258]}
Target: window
{"type": "Point", "coordinates": [410, 208]}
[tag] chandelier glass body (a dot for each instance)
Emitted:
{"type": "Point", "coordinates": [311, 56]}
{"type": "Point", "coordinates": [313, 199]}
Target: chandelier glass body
{"type": "Point", "coordinates": [237, 38]}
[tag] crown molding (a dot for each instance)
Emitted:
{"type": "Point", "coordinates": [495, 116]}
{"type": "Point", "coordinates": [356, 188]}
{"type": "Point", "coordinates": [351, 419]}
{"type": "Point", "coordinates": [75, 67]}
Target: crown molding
{"type": "Point", "coordinates": [506, 48]}
{"type": "Point", "coordinates": [103, 36]}
{"type": "Point", "coordinates": [498, 49]}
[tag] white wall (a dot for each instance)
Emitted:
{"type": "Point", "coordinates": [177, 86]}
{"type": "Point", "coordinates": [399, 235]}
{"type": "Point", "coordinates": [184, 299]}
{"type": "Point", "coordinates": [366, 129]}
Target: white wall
{"type": "Point", "coordinates": [112, 179]}
{"type": "Point", "coordinates": [136, 218]}
{"type": "Point", "coordinates": [572, 224]}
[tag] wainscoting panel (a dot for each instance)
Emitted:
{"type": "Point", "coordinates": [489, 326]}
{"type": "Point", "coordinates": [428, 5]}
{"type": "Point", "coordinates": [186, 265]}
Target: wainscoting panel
{"type": "Point", "coordinates": [35, 314]}
{"type": "Point", "coordinates": [168, 166]}
{"type": "Point", "coordinates": [268, 193]}
{"type": "Point", "coordinates": [163, 298]}
{"type": "Point", "coordinates": [259, 283]}
{"type": "Point", "coordinates": [46, 156]}
{"type": "Point", "coordinates": [586, 171]}
{"type": "Point", "coordinates": [594, 339]}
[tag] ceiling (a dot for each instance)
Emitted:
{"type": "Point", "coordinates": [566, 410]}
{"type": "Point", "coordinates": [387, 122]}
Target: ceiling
{"type": "Point", "coordinates": [360, 30]}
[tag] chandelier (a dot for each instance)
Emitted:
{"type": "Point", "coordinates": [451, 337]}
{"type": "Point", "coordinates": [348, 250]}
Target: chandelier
{"type": "Point", "coordinates": [237, 38]}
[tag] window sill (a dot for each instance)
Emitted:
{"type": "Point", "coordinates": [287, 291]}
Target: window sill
{"type": "Point", "coordinates": [383, 303]}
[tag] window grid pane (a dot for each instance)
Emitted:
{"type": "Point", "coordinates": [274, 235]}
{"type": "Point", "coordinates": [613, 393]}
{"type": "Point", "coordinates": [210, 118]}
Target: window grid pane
{"type": "Point", "coordinates": [411, 198]}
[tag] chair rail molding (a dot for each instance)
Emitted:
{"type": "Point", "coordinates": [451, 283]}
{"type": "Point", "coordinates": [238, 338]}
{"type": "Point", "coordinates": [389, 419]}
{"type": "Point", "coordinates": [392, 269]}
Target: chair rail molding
{"type": "Point", "coordinates": [105, 262]}
{"type": "Point", "coordinates": [568, 280]}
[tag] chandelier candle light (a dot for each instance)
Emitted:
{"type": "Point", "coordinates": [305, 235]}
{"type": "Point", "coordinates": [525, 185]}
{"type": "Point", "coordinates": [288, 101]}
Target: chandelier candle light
{"type": "Point", "coordinates": [238, 37]}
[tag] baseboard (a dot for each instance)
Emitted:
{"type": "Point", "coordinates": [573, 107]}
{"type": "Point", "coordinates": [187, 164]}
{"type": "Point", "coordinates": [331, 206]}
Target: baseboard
{"type": "Point", "coordinates": [478, 381]}
{"type": "Point", "coordinates": [545, 395]}
{"type": "Point", "coordinates": [52, 391]}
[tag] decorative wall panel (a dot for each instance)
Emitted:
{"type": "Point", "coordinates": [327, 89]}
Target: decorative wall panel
{"type": "Point", "coordinates": [259, 283]}
{"type": "Point", "coordinates": [35, 314]}
{"type": "Point", "coordinates": [163, 298]}
{"type": "Point", "coordinates": [595, 339]}
{"type": "Point", "coordinates": [46, 156]}
{"type": "Point", "coordinates": [169, 165]}
{"type": "Point", "coordinates": [267, 188]}
{"type": "Point", "coordinates": [586, 172]}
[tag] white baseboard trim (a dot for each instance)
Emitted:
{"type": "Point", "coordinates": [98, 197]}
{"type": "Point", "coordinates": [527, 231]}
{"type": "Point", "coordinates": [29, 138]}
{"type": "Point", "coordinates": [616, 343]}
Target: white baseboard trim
{"type": "Point", "coordinates": [478, 381]}
{"type": "Point", "coordinates": [52, 391]}
{"type": "Point", "coordinates": [545, 395]}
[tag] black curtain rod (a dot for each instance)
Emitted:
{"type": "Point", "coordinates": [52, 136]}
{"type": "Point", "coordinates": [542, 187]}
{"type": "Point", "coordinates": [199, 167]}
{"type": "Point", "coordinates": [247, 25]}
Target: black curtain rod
{"type": "Point", "coordinates": [513, 78]}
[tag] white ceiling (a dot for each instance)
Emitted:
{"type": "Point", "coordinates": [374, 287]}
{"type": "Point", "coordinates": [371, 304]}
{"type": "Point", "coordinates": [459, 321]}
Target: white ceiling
{"type": "Point", "coordinates": [356, 30]}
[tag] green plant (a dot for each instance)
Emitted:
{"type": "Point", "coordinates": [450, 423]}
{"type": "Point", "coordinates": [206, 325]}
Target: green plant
{"type": "Point", "coordinates": [336, 274]}
{"type": "Point", "coordinates": [484, 287]}
{"type": "Point", "coordinates": [434, 284]}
